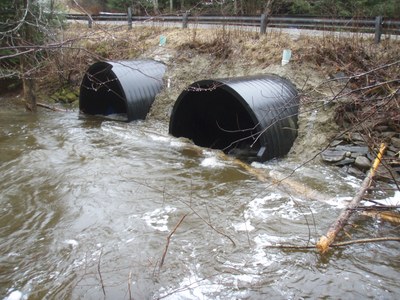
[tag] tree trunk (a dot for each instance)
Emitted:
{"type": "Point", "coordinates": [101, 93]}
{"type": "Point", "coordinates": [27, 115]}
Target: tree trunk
{"type": "Point", "coordinates": [28, 84]}
{"type": "Point", "coordinates": [268, 7]}
{"type": "Point", "coordinates": [29, 94]}
{"type": "Point", "coordinates": [27, 60]}
{"type": "Point", "coordinates": [155, 6]}
{"type": "Point", "coordinates": [171, 5]}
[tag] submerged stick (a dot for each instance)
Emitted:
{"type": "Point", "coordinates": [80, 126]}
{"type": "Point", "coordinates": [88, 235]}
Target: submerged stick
{"type": "Point", "coordinates": [39, 104]}
{"type": "Point", "coordinates": [336, 245]}
{"type": "Point", "coordinates": [365, 241]}
{"type": "Point", "coordinates": [99, 271]}
{"type": "Point", "coordinates": [326, 240]}
{"type": "Point", "coordinates": [389, 216]}
{"type": "Point", "coordinates": [169, 239]}
{"type": "Point", "coordinates": [284, 182]}
{"type": "Point", "coordinates": [129, 285]}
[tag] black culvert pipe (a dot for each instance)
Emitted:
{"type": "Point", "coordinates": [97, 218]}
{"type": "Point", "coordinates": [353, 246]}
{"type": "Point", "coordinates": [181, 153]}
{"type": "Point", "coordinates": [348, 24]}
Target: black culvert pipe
{"type": "Point", "coordinates": [254, 118]}
{"type": "Point", "coordinates": [121, 87]}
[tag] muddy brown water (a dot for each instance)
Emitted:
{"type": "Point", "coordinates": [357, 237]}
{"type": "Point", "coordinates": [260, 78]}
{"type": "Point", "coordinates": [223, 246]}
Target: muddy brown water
{"type": "Point", "coordinates": [90, 207]}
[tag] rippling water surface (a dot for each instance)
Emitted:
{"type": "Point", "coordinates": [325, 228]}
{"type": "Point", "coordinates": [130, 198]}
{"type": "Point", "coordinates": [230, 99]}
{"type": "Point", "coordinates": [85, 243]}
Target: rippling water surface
{"type": "Point", "coordinates": [94, 209]}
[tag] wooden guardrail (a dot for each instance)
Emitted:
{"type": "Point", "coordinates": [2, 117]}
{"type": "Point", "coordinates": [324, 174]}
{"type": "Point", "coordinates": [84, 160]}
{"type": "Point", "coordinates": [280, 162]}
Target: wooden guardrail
{"type": "Point", "coordinates": [377, 25]}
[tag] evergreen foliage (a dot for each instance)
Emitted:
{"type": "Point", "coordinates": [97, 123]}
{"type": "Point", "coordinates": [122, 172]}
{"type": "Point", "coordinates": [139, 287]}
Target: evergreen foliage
{"type": "Point", "coordinates": [329, 8]}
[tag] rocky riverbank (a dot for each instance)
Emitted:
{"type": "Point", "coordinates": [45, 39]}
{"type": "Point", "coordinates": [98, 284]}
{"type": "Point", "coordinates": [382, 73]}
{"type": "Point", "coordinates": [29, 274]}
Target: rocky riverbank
{"type": "Point", "coordinates": [354, 157]}
{"type": "Point", "coordinates": [366, 120]}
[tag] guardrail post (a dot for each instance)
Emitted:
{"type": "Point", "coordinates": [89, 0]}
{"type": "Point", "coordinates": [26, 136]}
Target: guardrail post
{"type": "Point", "coordinates": [378, 29]}
{"type": "Point", "coordinates": [90, 21]}
{"type": "Point", "coordinates": [185, 20]}
{"type": "Point", "coordinates": [264, 19]}
{"type": "Point", "coordinates": [129, 17]}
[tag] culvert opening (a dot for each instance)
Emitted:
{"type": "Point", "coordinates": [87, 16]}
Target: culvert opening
{"type": "Point", "coordinates": [101, 93]}
{"type": "Point", "coordinates": [254, 118]}
{"type": "Point", "coordinates": [123, 88]}
{"type": "Point", "coordinates": [215, 119]}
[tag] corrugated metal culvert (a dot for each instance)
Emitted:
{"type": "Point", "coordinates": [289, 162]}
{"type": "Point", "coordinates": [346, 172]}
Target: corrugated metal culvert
{"type": "Point", "coordinates": [121, 87]}
{"type": "Point", "coordinates": [254, 118]}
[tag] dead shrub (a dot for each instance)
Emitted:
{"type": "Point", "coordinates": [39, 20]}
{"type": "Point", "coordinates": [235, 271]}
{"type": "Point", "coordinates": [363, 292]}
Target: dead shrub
{"type": "Point", "coordinates": [219, 46]}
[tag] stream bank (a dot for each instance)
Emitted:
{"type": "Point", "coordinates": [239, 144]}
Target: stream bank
{"type": "Point", "coordinates": [339, 80]}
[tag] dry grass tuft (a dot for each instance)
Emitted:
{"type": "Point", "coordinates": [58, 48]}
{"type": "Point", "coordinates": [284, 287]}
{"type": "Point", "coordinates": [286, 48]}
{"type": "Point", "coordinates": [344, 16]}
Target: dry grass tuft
{"type": "Point", "coordinates": [219, 44]}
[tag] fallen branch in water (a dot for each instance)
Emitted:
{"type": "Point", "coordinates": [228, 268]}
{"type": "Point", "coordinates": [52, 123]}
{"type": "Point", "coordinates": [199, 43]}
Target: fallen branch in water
{"type": "Point", "coordinates": [385, 215]}
{"type": "Point", "coordinates": [50, 107]}
{"type": "Point", "coordinates": [341, 244]}
{"type": "Point", "coordinates": [326, 240]}
{"type": "Point", "coordinates": [169, 239]}
{"type": "Point", "coordinates": [365, 241]}
{"type": "Point", "coordinates": [129, 285]}
{"type": "Point", "coordinates": [284, 182]}
{"type": "Point", "coordinates": [99, 271]}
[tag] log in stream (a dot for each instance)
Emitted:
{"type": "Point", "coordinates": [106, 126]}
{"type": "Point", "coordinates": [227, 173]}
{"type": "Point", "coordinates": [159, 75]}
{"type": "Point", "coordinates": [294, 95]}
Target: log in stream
{"type": "Point", "coordinates": [326, 240]}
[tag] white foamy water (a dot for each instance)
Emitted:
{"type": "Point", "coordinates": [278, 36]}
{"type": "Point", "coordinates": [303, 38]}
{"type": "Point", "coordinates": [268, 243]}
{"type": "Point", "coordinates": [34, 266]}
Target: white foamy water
{"type": "Point", "coordinates": [72, 243]}
{"type": "Point", "coordinates": [211, 160]}
{"type": "Point", "coordinates": [391, 201]}
{"type": "Point", "coordinates": [16, 295]}
{"type": "Point", "coordinates": [158, 219]}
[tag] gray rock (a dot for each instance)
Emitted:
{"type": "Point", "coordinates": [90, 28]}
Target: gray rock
{"type": "Point", "coordinates": [336, 143]}
{"type": "Point", "coordinates": [345, 161]}
{"type": "Point", "coordinates": [390, 153]}
{"type": "Point", "coordinates": [362, 163]}
{"type": "Point", "coordinates": [357, 154]}
{"type": "Point", "coordinates": [357, 137]}
{"type": "Point", "coordinates": [355, 172]}
{"type": "Point", "coordinates": [395, 142]}
{"type": "Point", "coordinates": [388, 174]}
{"type": "Point", "coordinates": [340, 76]}
{"type": "Point", "coordinates": [358, 149]}
{"type": "Point", "coordinates": [388, 134]}
{"type": "Point", "coordinates": [333, 155]}
{"type": "Point", "coordinates": [394, 149]}
{"type": "Point", "coordinates": [381, 128]}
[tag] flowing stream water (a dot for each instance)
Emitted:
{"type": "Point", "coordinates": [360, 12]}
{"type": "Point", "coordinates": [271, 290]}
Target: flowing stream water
{"type": "Point", "coordinates": [100, 209]}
